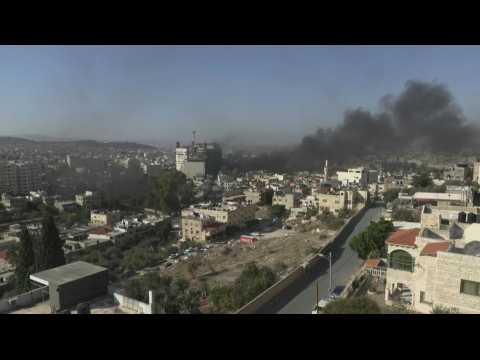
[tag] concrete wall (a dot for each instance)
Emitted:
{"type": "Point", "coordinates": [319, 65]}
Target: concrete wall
{"type": "Point", "coordinates": [299, 273]}
{"type": "Point", "coordinates": [271, 292]}
{"type": "Point", "coordinates": [134, 305]}
{"type": "Point", "coordinates": [24, 300]}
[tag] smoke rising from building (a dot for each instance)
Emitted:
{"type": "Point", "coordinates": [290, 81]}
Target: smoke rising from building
{"type": "Point", "coordinates": [423, 117]}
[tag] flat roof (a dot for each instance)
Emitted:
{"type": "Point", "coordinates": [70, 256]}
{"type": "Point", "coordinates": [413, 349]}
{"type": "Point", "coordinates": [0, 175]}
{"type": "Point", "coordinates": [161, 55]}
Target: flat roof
{"type": "Point", "coordinates": [66, 273]}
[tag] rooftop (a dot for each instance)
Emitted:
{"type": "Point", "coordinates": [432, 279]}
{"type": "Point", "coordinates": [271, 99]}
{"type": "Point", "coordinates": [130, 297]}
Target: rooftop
{"type": "Point", "coordinates": [403, 237]}
{"type": "Point", "coordinates": [66, 273]}
{"type": "Point", "coordinates": [432, 248]}
{"type": "Point", "coordinates": [373, 263]}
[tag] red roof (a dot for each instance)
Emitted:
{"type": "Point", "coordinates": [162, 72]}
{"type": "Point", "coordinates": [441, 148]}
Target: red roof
{"type": "Point", "coordinates": [403, 237]}
{"type": "Point", "coordinates": [372, 263]}
{"type": "Point", "coordinates": [432, 248]}
{"type": "Point", "coordinates": [101, 230]}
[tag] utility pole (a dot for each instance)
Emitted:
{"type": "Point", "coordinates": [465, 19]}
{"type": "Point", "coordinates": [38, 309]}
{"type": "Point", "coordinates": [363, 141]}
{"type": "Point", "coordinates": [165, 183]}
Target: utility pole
{"type": "Point", "coordinates": [330, 272]}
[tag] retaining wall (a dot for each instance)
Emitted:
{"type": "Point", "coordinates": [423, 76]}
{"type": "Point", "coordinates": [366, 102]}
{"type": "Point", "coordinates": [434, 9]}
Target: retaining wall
{"type": "Point", "coordinates": [24, 300]}
{"type": "Point", "coordinates": [134, 305]}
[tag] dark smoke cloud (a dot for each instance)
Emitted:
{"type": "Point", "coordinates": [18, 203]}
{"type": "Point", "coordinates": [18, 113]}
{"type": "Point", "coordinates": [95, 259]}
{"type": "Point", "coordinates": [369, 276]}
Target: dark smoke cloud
{"type": "Point", "coordinates": [423, 117]}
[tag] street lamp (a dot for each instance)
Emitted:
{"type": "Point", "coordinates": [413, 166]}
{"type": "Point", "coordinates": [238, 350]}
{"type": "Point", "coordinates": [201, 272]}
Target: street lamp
{"type": "Point", "coordinates": [329, 273]}
{"type": "Point", "coordinates": [329, 270]}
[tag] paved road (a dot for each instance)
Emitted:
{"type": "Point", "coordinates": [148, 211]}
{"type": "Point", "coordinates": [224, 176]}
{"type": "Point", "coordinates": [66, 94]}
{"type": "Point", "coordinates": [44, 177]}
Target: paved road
{"type": "Point", "coordinates": [301, 296]}
{"type": "Point", "coordinates": [344, 264]}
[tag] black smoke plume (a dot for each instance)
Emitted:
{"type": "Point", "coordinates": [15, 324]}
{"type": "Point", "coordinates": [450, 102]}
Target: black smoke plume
{"type": "Point", "coordinates": [424, 117]}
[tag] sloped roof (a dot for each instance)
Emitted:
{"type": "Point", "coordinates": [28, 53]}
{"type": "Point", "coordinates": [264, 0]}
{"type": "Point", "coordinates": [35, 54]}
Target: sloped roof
{"type": "Point", "coordinates": [432, 248]}
{"type": "Point", "coordinates": [403, 237]}
{"type": "Point", "coordinates": [373, 263]}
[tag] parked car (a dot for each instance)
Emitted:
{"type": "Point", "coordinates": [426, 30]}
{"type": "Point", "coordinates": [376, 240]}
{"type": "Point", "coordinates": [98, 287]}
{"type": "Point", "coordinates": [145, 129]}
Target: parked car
{"type": "Point", "coordinates": [321, 304]}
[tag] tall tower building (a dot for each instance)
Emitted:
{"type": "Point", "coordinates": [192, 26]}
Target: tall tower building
{"type": "Point", "coordinates": [19, 178]}
{"type": "Point", "coordinates": [476, 171]}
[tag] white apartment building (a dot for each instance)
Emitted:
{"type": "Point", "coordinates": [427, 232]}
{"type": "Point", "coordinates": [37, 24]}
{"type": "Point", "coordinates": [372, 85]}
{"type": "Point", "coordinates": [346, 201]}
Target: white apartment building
{"type": "Point", "coordinates": [229, 213]}
{"type": "Point", "coordinates": [355, 176]}
{"type": "Point", "coordinates": [289, 200]}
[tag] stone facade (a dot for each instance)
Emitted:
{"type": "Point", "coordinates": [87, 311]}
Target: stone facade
{"type": "Point", "coordinates": [288, 200]}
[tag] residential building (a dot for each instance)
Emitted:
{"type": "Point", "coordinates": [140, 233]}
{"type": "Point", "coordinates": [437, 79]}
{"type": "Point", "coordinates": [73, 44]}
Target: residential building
{"type": "Point", "coordinates": [462, 197]}
{"type": "Point", "coordinates": [253, 197]}
{"type": "Point", "coordinates": [231, 214]}
{"type": "Point", "coordinates": [332, 202]}
{"type": "Point", "coordinates": [456, 172]}
{"type": "Point", "coordinates": [289, 200]}
{"type": "Point", "coordinates": [354, 176]}
{"type": "Point", "coordinates": [198, 160]}
{"type": "Point", "coordinates": [104, 218]}
{"type": "Point", "coordinates": [437, 264]}
{"type": "Point", "coordinates": [201, 228]}
{"type": "Point", "coordinates": [19, 177]}
{"type": "Point", "coordinates": [476, 172]}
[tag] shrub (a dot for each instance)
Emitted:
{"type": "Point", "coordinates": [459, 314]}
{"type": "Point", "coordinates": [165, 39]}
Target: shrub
{"type": "Point", "coordinates": [358, 305]}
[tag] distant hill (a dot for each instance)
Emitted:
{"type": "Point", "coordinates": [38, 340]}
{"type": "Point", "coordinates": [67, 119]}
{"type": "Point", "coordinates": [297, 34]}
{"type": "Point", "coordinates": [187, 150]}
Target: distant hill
{"type": "Point", "coordinates": [13, 140]}
{"type": "Point", "coordinates": [46, 140]}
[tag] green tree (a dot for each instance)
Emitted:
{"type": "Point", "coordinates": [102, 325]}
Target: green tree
{"type": "Point", "coordinates": [251, 282]}
{"type": "Point", "coordinates": [170, 191]}
{"type": "Point", "coordinates": [356, 305]}
{"type": "Point", "coordinates": [50, 253]}
{"type": "Point", "coordinates": [24, 261]}
{"type": "Point", "coordinates": [372, 240]}
{"type": "Point", "coordinates": [171, 297]}
{"type": "Point", "coordinates": [422, 180]}
{"type": "Point", "coordinates": [390, 195]}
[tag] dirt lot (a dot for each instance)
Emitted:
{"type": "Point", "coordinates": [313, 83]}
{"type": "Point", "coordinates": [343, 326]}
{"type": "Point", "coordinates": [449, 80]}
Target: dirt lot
{"type": "Point", "coordinates": [282, 250]}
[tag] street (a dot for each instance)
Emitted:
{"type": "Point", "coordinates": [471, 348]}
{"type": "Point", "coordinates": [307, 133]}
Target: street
{"type": "Point", "coordinates": [343, 267]}
{"type": "Point", "coordinates": [301, 298]}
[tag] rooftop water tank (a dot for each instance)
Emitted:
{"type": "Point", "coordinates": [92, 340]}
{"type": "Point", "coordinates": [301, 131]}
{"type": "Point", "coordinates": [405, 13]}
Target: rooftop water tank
{"type": "Point", "coordinates": [471, 218]}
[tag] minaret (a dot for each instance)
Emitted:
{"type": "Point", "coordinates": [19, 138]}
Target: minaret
{"type": "Point", "coordinates": [325, 171]}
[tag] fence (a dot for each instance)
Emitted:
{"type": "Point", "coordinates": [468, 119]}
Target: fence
{"type": "Point", "coordinates": [136, 306]}
{"type": "Point", "coordinates": [24, 300]}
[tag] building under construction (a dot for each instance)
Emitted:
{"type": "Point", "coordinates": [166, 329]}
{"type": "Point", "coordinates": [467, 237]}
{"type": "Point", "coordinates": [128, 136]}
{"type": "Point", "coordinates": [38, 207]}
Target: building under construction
{"type": "Point", "coordinates": [199, 159]}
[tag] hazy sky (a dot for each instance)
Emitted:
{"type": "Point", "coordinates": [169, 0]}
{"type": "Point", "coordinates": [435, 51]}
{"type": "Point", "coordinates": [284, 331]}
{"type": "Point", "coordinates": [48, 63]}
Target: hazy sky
{"type": "Point", "coordinates": [251, 93]}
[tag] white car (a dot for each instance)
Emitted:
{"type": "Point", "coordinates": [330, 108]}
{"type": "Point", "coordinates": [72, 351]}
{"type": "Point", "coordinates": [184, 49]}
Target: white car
{"type": "Point", "coordinates": [321, 304]}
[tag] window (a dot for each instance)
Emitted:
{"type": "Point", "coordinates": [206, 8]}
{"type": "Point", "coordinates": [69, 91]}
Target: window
{"type": "Point", "coordinates": [422, 296]}
{"type": "Point", "coordinates": [470, 287]}
{"type": "Point", "coordinates": [401, 260]}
